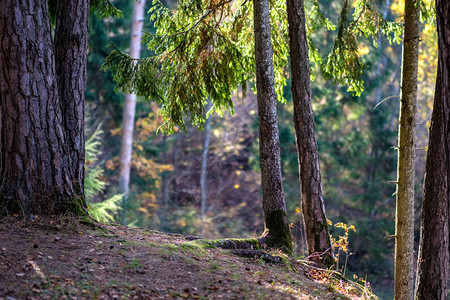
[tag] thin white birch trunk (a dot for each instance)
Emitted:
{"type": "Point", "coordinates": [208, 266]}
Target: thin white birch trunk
{"type": "Point", "coordinates": [130, 107]}
{"type": "Point", "coordinates": [204, 172]}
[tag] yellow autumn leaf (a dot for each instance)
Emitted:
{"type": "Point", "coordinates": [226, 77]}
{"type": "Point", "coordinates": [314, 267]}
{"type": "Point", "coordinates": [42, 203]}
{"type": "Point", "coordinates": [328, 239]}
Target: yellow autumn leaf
{"type": "Point", "coordinates": [143, 209]}
{"type": "Point", "coordinates": [363, 51]}
{"type": "Point", "coordinates": [109, 164]}
{"type": "Point", "coordinates": [116, 131]}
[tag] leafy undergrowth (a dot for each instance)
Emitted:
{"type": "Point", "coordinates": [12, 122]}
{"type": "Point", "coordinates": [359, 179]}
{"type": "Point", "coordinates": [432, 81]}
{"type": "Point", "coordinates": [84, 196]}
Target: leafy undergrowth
{"type": "Point", "coordinates": [63, 259]}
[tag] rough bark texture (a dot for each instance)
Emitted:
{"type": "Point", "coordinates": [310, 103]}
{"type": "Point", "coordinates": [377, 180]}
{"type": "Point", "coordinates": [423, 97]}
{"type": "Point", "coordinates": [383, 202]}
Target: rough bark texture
{"type": "Point", "coordinates": [274, 206]}
{"type": "Point", "coordinates": [34, 171]}
{"type": "Point", "coordinates": [317, 235]}
{"type": "Point", "coordinates": [404, 223]}
{"type": "Point", "coordinates": [71, 45]}
{"type": "Point", "coordinates": [129, 108]}
{"type": "Point", "coordinates": [433, 260]}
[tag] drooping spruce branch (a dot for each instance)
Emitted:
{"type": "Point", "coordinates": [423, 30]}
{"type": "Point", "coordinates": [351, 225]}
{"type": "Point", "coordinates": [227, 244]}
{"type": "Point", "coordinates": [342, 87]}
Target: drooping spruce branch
{"type": "Point", "coordinates": [203, 50]}
{"type": "Point", "coordinates": [316, 21]}
{"type": "Point", "coordinates": [101, 8]}
{"type": "Point", "coordinates": [343, 64]}
{"type": "Point", "coordinates": [105, 8]}
{"type": "Point", "coordinates": [371, 24]}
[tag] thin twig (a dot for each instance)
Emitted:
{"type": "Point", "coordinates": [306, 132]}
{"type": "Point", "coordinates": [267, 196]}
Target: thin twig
{"type": "Point", "coordinates": [199, 20]}
{"type": "Point", "coordinates": [317, 254]}
{"type": "Point", "coordinates": [384, 100]}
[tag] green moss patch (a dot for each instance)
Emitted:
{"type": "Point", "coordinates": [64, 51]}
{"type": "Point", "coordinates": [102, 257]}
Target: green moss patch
{"type": "Point", "coordinates": [277, 233]}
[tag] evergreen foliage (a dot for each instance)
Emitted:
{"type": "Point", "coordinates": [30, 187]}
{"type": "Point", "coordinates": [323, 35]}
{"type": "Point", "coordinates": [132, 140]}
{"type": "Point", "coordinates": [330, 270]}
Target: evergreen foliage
{"type": "Point", "coordinates": [343, 64]}
{"type": "Point", "coordinates": [202, 50]}
{"type": "Point", "coordinates": [100, 87]}
{"type": "Point", "coordinates": [94, 185]}
{"type": "Point", "coordinates": [105, 8]}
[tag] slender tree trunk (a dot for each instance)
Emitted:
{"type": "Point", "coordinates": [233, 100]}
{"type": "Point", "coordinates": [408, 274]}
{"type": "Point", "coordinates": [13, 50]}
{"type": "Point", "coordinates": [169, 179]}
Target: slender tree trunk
{"type": "Point", "coordinates": [317, 235]}
{"type": "Point", "coordinates": [277, 232]}
{"type": "Point", "coordinates": [129, 109]}
{"type": "Point", "coordinates": [36, 174]}
{"type": "Point", "coordinates": [433, 261]}
{"type": "Point", "coordinates": [71, 45]}
{"type": "Point", "coordinates": [204, 172]}
{"type": "Point", "coordinates": [404, 223]}
{"type": "Point", "coordinates": [164, 189]}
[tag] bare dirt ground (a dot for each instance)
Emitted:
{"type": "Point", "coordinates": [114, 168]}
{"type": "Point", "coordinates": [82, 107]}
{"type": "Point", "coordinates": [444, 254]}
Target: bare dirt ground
{"type": "Point", "coordinates": [63, 259]}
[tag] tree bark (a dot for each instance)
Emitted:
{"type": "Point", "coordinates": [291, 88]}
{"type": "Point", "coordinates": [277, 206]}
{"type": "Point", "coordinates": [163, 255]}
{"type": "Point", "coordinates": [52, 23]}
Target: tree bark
{"type": "Point", "coordinates": [129, 109]}
{"type": "Point", "coordinates": [433, 260]}
{"type": "Point", "coordinates": [313, 208]}
{"type": "Point", "coordinates": [277, 232]}
{"type": "Point", "coordinates": [35, 174]}
{"type": "Point", "coordinates": [71, 45]}
{"type": "Point", "coordinates": [404, 223]}
{"type": "Point", "coordinates": [204, 172]}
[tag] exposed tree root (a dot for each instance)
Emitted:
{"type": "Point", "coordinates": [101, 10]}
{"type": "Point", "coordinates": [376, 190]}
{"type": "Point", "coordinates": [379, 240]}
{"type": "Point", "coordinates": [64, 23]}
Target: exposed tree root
{"type": "Point", "coordinates": [246, 248]}
{"type": "Point", "coordinates": [258, 254]}
{"type": "Point", "coordinates": [236, 244]}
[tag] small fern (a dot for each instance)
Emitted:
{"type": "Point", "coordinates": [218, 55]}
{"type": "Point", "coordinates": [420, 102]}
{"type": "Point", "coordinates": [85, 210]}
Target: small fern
{"type": "Point", "coordinates": [106, 210]}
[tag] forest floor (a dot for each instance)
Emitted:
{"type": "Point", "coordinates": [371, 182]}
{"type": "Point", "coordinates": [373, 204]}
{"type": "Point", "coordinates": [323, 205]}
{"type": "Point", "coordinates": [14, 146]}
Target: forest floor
{"type": "Point", "coordinates": [63, 259]}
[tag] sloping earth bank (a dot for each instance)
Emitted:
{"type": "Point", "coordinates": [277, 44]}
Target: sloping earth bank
{"type": "Point", "coordinates": [63, 259]}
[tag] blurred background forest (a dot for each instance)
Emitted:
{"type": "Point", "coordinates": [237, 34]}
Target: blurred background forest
{"type": "Point", "coordinates": [355, 143]}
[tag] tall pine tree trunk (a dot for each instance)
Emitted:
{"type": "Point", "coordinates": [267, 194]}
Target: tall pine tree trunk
{"type": "Point", "coordinates": [71, 44]}
{"type": "Point", "coordinates": [404, 222]}
{"type": "Point", "coordinates": [277, 232]}
{"type": "Point", "coordinates": [38, 171]}
{"type": "Point", "coordinates": [433, 261]}
{"type": "Point", "coordinates": [317, 235]}
{"type": "Point", "coordinates": [129, 108]}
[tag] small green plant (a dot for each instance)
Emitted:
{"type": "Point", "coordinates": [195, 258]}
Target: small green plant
{"type": "Point", "coordinates": [169, 251]}
{"type": "Point", "coordinates": [135, 264]}
{"type": "Point", "coordinates": [193, 248]}
{"type": "Point", "coordinates": [215, 266]}
{"type": "Point", "coordinates": [106, 210]}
